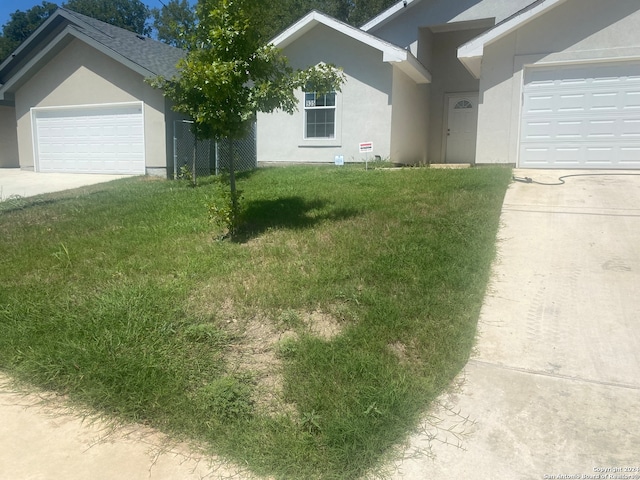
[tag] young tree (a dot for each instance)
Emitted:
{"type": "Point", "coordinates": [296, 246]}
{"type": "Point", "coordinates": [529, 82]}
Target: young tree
{"type": "Point", "coordinates": [128, 14]}
{"type": "Point", "coordinates": [174, 22]}
{"type": "Point", "coordinates": [230, 73]}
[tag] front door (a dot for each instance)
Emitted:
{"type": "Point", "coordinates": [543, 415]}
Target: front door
{"type": "Point", "coordinates": [462, 124]}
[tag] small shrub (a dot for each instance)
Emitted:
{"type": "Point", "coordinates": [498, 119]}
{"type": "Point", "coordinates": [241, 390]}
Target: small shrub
{"type": "Point", "coordinates": [289, 320]}
{"type": "Point", "coordinates": [13, 202]}
{"type": "Point", "coordinates": [224, 209]}
{"type": "Point", "coordinates": [185, 173]}
{"type": "Point", "coordinates": [311, 422]}
{"type": "Point", "coordinates": [227, 398]}
{"type": "Point", "coordinates": [206, 332]}
{"type": "Point", "coordinates": [287, 348]}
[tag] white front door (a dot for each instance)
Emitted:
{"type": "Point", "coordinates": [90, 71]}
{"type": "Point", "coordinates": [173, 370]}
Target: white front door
{"type": "Point", "coordinates": [462, 125]}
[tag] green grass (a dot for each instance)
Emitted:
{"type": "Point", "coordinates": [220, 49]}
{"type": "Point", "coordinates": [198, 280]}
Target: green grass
{"type": "Point", "coordinates": [306, 348]}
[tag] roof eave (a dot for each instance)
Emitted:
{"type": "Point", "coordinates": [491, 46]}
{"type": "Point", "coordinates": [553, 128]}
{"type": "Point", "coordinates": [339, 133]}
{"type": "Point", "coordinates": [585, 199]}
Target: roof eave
{"type": "Point", "coordinates": [59, 42]}
{"type": "Point", "coordinates": [471, 53]}
{"type": "Point", "coordinates": [473, 64]}
{"type": "Point", "coordinates": [387, 15]}
{"type": "Point", "coordinates": [409, 65]}
{"type": "Point", "coordinates": [390, 53]}
{"type": "Point", "coordinates": [27, 44]}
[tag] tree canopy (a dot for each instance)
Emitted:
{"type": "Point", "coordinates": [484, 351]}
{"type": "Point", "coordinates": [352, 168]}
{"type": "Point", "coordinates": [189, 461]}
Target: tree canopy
{"type": "Point", "coordinates": [128, 14]}
{"type": "Point", "coordinates": [21, 25]}
{"type": "Point", "coordinates": [174, 22]}
{"type": "Point", "coordinates": [177, 16]}
{"type": "Point", "coordinates": [230, 72]}
{"type": "Point", "coordinates": [177, 19]}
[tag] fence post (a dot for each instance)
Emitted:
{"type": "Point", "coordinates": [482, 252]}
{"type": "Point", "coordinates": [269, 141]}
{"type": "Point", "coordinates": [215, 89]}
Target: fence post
{"type": "Point", "coordinates": [217, 158]}
{"type": "Point", "coordinates": [193, 169]}
{"type": "Point", "coordinates": [175, 151]}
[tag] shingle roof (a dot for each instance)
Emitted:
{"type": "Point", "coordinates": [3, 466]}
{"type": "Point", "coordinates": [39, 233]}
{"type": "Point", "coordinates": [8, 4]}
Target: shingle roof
{"type": "Point", "coordinates": [156, 57]}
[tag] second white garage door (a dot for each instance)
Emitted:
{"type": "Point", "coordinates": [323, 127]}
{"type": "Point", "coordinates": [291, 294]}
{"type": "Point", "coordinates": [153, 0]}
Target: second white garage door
{"type": "Point", "coordinates": [93, 139]}
{"type": "Point", "coordinates": [581, 117]}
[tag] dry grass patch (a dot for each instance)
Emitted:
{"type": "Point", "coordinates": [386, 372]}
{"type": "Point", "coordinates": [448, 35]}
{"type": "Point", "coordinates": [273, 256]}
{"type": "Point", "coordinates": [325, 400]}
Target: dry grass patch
{"type": "Point", "coordinates": [256, 341]}
{"type": "Point", "coordinates": [322, 324]}
{"type": "Point", "coordinates": [254, 352]}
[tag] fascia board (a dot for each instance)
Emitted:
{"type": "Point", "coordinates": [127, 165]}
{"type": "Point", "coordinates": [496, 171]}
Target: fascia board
{"type": "Point", "coordinates": [387, 15]}
{"type": "Point", "coordinates": [409, 65]}
{"type": "Point", "coordinates": [295, 31]}
{"type": "Point", "coordinates": [21, 75]}
{"type": "Point", "coordinates": [470, 54]}
{"type": "Point", "coordinates": [27, 43]}
{"type": "Point", "coordinates": [59, 42]}
{"type": "Point", "coordinates": [416, 70]}
{"type": "Point", "coordinates": [390, 53]}
{"type": "Point", "coordinates": [306, 23]}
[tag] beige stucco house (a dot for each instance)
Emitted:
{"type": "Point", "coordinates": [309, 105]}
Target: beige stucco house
{"type": "Point", "coordinates": [73, 98]}
{"type": "Point", "coordinates": [544, 84]}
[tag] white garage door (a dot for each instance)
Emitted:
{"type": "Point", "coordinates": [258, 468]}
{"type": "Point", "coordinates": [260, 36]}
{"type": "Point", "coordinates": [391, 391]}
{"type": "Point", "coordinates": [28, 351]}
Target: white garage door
{"type": "Point", "coordinates": [581, 117]}
{"type": "Point", "coordinates": [96, 139]}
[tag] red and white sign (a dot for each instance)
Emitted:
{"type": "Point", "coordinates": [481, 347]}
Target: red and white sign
{"type": "Point", "coordinates": [366, 147]}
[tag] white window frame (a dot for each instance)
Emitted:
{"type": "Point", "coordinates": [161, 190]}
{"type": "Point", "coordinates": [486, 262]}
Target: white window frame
{"type": "Point", "coordinates": [336, 139]}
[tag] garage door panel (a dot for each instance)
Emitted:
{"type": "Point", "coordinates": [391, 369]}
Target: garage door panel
{"type": "Point", "coordinates": [102, 139]}
{"type": "Point", "coordinates": [578, 117]}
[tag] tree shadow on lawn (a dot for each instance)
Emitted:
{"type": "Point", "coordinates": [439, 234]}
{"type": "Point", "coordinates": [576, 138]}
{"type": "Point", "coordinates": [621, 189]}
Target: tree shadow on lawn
{"type": "Point", "coordinates": [287, 212]}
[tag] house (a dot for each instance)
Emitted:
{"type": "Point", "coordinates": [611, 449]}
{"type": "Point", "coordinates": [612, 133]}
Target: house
{"type": "Point", "coordinates": [542, 84]}
{"type": "Point", "coordinates": [73, 98]}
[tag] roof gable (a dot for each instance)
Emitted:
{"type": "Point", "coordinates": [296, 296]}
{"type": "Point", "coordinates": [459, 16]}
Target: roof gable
{"type": "Point", "coordinates": [389, 14]}
{"type": "Point", "coordinates": [143, 55]}
{"type": "Point", "coordinates": [156, 57]}
{"type": "Point", "coordinates": [470, 54]}
{"type": "Point", "coordinates": [390, 53]}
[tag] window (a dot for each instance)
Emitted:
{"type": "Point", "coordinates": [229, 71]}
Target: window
{"type": "Point", "coordinates": [319, 115]}
{"type": "Point", "coordinates": [463, 105]}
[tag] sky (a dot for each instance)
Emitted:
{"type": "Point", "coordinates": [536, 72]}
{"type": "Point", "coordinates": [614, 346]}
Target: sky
{"type": "Point", "coordinates": [7, 7]}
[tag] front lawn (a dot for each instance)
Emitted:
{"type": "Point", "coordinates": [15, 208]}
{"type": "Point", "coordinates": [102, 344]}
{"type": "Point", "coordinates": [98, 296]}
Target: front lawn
{"type": "Point", "coordinates": [308, 348]}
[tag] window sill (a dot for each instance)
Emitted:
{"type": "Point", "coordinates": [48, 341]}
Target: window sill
{"type": "Point", "coordinates": [320, 142]}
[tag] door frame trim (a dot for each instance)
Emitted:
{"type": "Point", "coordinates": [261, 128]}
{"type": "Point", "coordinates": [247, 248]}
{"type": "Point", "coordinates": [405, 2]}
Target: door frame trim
{"type": "Point", "coordinates": [445, 119]}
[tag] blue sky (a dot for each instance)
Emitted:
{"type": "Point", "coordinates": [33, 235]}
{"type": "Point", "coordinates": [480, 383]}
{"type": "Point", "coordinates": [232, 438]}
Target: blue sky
{"type": "Point", "coordinates": [7, 7]}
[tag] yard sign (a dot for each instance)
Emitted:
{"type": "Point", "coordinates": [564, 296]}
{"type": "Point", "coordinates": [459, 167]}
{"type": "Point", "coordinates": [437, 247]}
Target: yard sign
{"type": "Point", "coordinates": [366, 147]}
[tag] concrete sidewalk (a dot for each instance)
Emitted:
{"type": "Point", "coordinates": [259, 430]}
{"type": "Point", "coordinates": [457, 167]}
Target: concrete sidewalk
{"type": "Point", "coordinates": [553, 387]}
{"type": "Point", "coordinates": [42, 438]}
{"type": "Point", "coordinates": [23, 183]}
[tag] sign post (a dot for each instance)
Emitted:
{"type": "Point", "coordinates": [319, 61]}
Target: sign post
{"type": "Point", "coordinates": [366, 148]}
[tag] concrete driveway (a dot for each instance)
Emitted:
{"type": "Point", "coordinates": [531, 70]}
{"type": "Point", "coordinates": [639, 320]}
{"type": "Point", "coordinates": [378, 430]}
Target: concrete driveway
{"type": "Point", "coordinates": [14, 181]}
{"type": "Point", "coordinates": [553, 387]}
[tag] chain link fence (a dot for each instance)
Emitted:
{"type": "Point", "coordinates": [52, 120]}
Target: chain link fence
{"type": "Point", "coordinates": [210, 157]}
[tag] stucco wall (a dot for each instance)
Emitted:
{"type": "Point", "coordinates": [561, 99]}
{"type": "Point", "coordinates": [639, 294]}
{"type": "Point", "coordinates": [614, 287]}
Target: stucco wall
{"type": "Point", "coordinates": [409, 120]}
{"type": "Point", "coordinates": [80, 75]}
{"type": "Point", "coordinates": [575, 32]}
{"type": "Point", "coordinates": [363, 105]}
{"type": "Point", "coordinates": [449, 76]}
{"type": "Point", "coordinates": [8, 138]}
{"type": "Point", "coordinates": [403, 30]}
